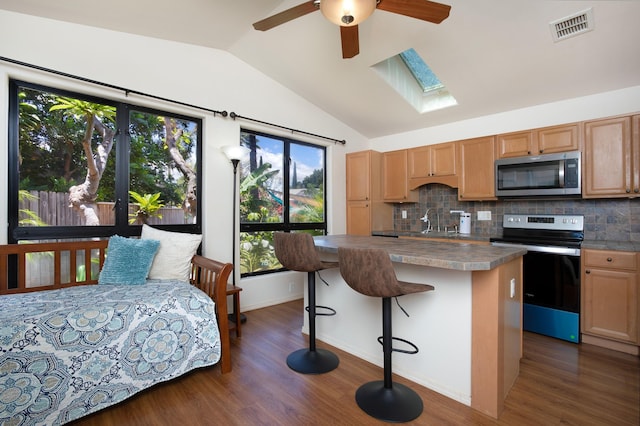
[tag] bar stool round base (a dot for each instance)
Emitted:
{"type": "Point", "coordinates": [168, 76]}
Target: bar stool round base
{"type": "Point", "coordinates": [306, 361]}
{"type": "Point", "coordinates": [396, 404]}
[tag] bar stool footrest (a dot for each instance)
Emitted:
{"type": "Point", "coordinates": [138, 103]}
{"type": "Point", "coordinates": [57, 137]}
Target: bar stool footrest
{"type": "Point", "coordinates": [316, 361]}
{"type": "Point", "coordinates": [404, 351]}
{"type": "Point", "coordinates": [392, 404]}
{"type": "Point", "coordinates": [330, 312]}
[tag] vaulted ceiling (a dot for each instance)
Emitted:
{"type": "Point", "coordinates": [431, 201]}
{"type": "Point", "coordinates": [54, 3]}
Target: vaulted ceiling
{"type": "Point", "coordinates": [493, 55]}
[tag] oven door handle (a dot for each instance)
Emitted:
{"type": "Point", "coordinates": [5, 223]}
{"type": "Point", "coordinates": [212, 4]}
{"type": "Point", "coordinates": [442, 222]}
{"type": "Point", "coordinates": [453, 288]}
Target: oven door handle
{"type": "Point", "coordinates": [543, 249]}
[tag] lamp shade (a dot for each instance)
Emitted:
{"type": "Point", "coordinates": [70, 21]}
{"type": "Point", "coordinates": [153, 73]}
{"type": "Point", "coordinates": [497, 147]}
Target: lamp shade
{"type": "Point", "coordinates": [234, 152]}
{"type": "Point", "coordinates": [347, 13]}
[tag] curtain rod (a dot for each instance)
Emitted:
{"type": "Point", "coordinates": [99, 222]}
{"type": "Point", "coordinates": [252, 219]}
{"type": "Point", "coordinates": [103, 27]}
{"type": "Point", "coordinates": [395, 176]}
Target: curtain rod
{"type": "Point", "coordinates": [126, 91]}
{"type": "Point", "coordinates": [110, 86]}
{"type": "Point", "coordinates": [233, 115]}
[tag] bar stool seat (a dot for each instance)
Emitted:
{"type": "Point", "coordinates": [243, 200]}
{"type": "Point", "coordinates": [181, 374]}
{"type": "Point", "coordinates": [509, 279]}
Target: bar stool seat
{"type": "Point", "coordinates": [297, 252]}
{"type": "Point", "coordinates": [370, 272]}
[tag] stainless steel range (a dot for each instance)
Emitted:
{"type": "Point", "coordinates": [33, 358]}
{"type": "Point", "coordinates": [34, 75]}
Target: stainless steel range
{"type": "Point", "coordinates": [551, 270]}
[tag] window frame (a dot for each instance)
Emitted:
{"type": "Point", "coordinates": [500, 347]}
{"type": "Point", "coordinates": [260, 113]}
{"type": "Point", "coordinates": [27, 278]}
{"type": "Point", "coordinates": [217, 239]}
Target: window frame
{"type": "Point", "coordinates": [286, 225]}
{"type": "Point", "coordinates": [15, 233]}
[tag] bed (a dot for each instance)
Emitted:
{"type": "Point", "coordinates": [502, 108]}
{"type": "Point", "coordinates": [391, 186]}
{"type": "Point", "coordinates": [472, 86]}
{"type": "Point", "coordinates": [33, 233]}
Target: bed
{"type": "Point", "coordinates": [74, 346]}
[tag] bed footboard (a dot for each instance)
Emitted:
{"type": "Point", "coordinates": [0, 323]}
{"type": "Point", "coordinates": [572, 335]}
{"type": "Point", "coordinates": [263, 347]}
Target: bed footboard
{"type": "Point", "coordinates": [211, 277]}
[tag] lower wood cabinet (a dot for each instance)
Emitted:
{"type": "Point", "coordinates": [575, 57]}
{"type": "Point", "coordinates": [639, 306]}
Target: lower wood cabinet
{"type": "Point", "coordinates": [359, 218]}
{"type": "Point", "coordinates": [610, 302]}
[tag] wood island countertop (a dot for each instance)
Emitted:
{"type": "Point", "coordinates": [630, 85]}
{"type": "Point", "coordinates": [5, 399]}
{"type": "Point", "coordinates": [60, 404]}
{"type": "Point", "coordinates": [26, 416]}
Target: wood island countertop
{"type": "Point", "coordinates": [454, 255]}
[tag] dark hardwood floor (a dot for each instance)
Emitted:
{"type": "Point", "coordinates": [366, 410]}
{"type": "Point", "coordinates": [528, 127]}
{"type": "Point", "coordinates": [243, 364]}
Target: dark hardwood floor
{"type": "Point", "coordinates": [559, 383]}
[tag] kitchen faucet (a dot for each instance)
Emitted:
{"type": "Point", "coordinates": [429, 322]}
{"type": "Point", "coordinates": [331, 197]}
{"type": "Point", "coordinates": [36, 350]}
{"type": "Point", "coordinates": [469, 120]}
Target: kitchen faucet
{"type": "Point", "coordinates": [426, 220]}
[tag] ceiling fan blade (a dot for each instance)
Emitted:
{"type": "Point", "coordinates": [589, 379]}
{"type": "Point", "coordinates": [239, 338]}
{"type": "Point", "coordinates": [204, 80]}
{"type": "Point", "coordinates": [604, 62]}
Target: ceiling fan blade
{"type": "Point", "coordinates": [286, 16]}
{"type": "Point", "coordinates": [350, 43]}
{"type": "Point", "coordinates": [420, 9]}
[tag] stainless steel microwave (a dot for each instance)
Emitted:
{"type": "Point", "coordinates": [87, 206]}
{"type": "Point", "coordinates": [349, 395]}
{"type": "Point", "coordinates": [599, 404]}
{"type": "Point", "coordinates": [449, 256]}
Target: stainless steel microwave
{"type": "Point", "coordinates": [539, 175]}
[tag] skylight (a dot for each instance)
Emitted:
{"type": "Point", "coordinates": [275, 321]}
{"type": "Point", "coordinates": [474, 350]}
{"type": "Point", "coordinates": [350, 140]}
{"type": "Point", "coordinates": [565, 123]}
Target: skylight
{"type": "Point", "coordinates": [421, 71]}
{"type": "Point", "coordinates": [412, 78]}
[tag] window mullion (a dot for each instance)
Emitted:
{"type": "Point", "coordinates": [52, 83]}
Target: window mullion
{"type": "Point", "coordinates": [122, 170]}
{"type": "Point", "coordinates": [286, 167]}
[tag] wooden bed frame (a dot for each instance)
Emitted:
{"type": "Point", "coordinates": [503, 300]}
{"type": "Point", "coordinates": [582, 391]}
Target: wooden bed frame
{"type": "Point", "coordinates": [208, 275]}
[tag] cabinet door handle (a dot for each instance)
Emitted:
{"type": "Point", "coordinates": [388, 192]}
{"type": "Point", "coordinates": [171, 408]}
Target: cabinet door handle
{"type": "Point", "coordinates": [636, 190]}
{"type": "Point", "coordinates": [609, 259]}
{"type": "Point", "coordinates": [588, 271]}
{"type": "Point", "coordinates": [541, 151]}
{"type": "Point", "coordinates": [628, 190]}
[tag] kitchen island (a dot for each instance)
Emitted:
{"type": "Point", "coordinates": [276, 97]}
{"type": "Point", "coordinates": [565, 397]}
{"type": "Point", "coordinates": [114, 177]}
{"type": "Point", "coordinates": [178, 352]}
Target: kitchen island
{"type": "Point", "coordinates": [468, 330]}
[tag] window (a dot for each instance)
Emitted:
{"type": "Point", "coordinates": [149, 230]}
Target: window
{"type": "Point", "coordinates": [282, 188]}
{"type": "Point", "coordinates": [421, 72]}
{"type": "Point", "coordinates": [84, 167]}
{"type": "Point", "coordinates": [414, 80]}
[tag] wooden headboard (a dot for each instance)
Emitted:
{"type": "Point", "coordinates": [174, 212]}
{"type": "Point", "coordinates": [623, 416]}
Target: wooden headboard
{"type": "Point", "coordinates": [64, 257]}
{"type": "Point", "coordinates": [67, 264]}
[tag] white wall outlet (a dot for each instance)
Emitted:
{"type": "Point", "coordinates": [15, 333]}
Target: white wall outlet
{"type": "Point", "coordinates": [484, 215]}
{"type": "Point", "coordinates": [513, 288]}
{"type": "Point", "coordinates": [404, 214]}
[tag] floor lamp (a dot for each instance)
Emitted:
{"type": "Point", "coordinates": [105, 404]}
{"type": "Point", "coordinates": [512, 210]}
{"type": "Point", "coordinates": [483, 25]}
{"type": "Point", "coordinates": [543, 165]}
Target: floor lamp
{"type": "Point", "coordinates": [235, 153]}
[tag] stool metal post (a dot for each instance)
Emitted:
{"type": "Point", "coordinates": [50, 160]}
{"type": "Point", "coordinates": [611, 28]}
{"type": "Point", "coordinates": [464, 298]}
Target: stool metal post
{"type": "Point", "coordinates": [312, 360]}
{"type": "Point", "coordinates": [311, 290]}
{"type": "Point", "coordinates": [384, 399]}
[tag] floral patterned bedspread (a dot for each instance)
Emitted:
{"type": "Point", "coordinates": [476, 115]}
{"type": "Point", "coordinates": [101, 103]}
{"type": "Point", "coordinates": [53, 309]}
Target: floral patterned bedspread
{"type": "Point", "coordinates": [67, 353]}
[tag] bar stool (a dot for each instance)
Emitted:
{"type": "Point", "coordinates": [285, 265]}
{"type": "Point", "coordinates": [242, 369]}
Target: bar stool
{"type": "Point", "coordinates": [370, 272]}
{"type": "Point", "coordinates": [297, 252]}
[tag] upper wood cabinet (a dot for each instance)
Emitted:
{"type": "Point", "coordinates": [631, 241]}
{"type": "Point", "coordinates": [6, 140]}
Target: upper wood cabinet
{"type": "Point", "coordinates": [395, 182]}
{"type": "Point", "coordinates": [546, 140]}
{"type": "Point", "coordinates": [365, 209]}
{"type": "Point", "coordinates": [359, 175]}
{"type": "Point", "coordinates": [433, 164]}
{"type": "Point", "coordinates": [477, 173]}
{"type": "Point", "coordinates": [612, 158]}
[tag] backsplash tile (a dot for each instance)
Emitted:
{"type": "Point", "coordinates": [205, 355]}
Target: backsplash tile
{"type": "Point", "coordinates": [605, 219]}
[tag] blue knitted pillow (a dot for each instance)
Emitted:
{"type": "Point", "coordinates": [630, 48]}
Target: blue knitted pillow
{"type": "Point", "coordinates": [128, 261]}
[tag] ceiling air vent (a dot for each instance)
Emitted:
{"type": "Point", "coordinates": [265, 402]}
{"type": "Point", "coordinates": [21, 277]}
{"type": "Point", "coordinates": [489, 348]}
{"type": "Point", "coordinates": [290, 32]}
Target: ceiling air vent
{"type": "Point", "coordinates": [573, 25]}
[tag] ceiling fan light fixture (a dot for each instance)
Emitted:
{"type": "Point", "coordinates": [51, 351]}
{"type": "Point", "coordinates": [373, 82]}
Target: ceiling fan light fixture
{"type": "Point", "coordinates": [347, 12]}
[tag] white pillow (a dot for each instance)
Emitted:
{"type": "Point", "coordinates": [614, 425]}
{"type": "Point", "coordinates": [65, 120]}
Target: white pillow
{"type": "Point", "coordinates": [173, 259]}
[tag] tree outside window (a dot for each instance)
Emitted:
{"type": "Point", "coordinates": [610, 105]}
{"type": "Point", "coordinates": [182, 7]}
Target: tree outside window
{"type": "Point", "coordinates": [282, 188]}
{"type": "Point", "coordinates": [87, 167]}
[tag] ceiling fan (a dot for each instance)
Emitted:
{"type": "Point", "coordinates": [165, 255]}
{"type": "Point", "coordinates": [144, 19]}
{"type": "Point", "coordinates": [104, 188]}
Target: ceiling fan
{"type": "Point", "coordinates": [349, 13]}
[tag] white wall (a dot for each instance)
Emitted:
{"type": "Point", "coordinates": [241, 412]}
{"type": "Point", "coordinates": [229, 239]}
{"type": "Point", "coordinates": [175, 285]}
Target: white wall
{"type": "Point", "coordinates": [619, 102]}
{"type": "Point", "coordinates": [205, 77]}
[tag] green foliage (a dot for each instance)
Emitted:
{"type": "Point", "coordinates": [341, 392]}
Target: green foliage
{"type": "Point", "coordinates": [80, 109]}
{"type": "Point", "coordinates": [151, 167]}
{"type": "Point", "coordinates": [257, 252]}
{"type": "Point", "coordinates": [148, 206]}
{"type": "Point", "coordinates": [314, 180]}
{"type": "Point", "coordinates": [28, 217]}
{"type": "Point", "coordinates": [29, 118]}
{"type": "Point", "coordinates": [257, 205]}
{"type": "Point", "coordinates": [313, 210]}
